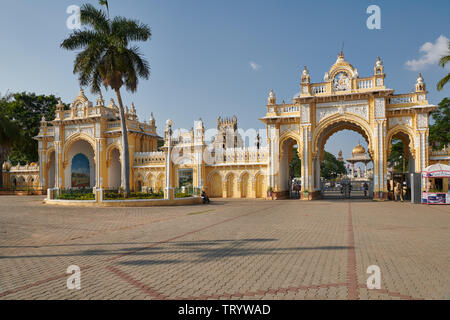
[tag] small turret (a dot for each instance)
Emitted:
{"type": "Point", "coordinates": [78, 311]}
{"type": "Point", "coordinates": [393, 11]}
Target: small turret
{"type": "Point", "coordinates": [272, 99]}
{"type": "Point", "coordinates": [378, 68]}
{"type": "Point", "coordinates": [420, 84]}
{"type": "Point", "coordinates": [100, 101]}
{"type": "Point", "coordinates": [305, 75]}
{"type": "Point", "coordinates": [152, 120]}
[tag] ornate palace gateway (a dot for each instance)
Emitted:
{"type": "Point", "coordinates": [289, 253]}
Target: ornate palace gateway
{"type": "Point", "coordinates": [81, 147]}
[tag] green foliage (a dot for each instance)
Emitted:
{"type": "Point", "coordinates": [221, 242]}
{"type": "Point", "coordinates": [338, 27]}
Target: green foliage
{"type": "Point", "coordinates": [440, 131]}
{"type": "Point", "coordinates": [442, 62]}
{"type": "Point", "coordinates": [106, 57]}
{"type": "Point", "coordinates": [114, 195]}
{"type": "Point", "coordinates": [27, 109]}
{"type": "Point", "coordinates": [296, 164]}
{"type": "Point", "coordinates": [330, 168]}
{"type": "Point", "coordinates": [76, 196]}
{"type": "Point", "coordinates": [397, 158]}
{"type": "Point", "coordinates": [182, 195]}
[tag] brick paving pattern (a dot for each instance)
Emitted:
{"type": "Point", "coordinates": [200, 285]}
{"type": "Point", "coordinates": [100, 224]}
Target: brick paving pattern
{"type": "Point", "coordinates": [231, 249]}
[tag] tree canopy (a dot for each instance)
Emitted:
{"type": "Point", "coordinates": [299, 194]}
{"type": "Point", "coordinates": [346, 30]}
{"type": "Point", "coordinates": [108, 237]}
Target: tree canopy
{"type": "Point", "coordinates": [27, 110]}
{"type": "Point", "coordinates": [439, 136]}
{"type": "Point", "coordinates": [397, 158]}
{"type": "Point", "coordinates": [331, 167]}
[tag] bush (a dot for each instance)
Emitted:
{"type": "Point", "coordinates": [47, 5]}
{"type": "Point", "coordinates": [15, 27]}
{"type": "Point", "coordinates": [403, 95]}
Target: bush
{"type": "Point", "coordinates": [182, 195]}
{"type": "Point", "coordinates": [133, 195]}
{"type": "Point", "coordinates": [76, 196]}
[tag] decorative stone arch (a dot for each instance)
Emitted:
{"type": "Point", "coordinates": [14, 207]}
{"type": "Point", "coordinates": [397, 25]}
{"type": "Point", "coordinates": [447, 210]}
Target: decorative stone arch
{"type": "Point", "coordinates": [243, 172]}
{"type": "Point", "coordinates": [79, 137]}
{"type": "Point", "coordinates": [244, 184]}
{"type": "Point", "coordinates": [150, 180]}
{"type": "Point", "coordinates": [50, 167]}
{"type": "Point", "coordinates": [406, 130]}
{"type": "Point", "coordinates": [258, 183]}
{"type": "Point", "coordinates": [75, 138]}
{"type": "Point", "coordinates": [110, 149]}
{"type": "Point", "coordinates": [229, 182]}
{"type": "Point", "coordinates": [336, 123]}
{"type": "Point", "coordinates": [139, 181]}
{"type": "Point", "coordinates": [159, 182]}
{"type": "Point", "coordinates": [214, 188]}
{"type": "Point", "coordinates": [404, 133]}
{"type": "Point", "coordinates": [48, 153]}
{"type": "Point", "coordinates": [114, 165]}
{"type": "Point", "coordinates": [290, 135]}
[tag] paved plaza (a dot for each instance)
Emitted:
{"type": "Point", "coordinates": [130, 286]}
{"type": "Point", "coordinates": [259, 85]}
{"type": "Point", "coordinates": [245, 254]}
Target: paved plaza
{"type": "Point", "coordinates": [231, 249]}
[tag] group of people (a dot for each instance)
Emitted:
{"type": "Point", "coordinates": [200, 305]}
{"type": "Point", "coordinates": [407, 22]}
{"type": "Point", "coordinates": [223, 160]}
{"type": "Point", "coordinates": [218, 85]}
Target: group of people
{"type": "Point", "coordinates": [346, 189]}
{"type": "Point", "coordinates": [400, 190]}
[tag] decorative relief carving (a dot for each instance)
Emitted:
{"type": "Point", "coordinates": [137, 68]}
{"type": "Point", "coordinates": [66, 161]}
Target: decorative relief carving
{"type": "Point", "coordinates": [400, 121]}
{"type": "Point", "coordinates": [289, 127]}
{"type": "Point", "coordinates": [379, 82]}
{"type": "Point", "coordinates": [380, 108]}
{"type": "Point", "coordinates": [305, 113]}
{"type": "Point", "coordinates": [113, 140]}
{"type": "Point", "coordinates": [422, 120]}
{"type": "Point", "coordinates": [70, 130]}
{"type": "Point", "coordinates": [357, 107]}
{"type": "Point", "coordinates": [341, 82]}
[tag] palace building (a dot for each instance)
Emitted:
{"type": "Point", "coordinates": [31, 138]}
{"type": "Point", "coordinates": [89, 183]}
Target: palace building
{"type": "Point", "coordinates": [81, 147]}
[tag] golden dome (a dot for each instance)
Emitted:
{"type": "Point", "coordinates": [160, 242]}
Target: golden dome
{"type": "Point", "coordinates": [359, 149]}
{"type": "Point", "coordinates": [33, 164]}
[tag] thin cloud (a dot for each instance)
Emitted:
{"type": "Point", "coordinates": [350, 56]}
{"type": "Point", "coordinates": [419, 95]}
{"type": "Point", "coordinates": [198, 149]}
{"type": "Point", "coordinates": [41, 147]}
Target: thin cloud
{"type": "Point", "coordinates": [431, 53]}
{"type": "Point", "coordinates": [255, 66]}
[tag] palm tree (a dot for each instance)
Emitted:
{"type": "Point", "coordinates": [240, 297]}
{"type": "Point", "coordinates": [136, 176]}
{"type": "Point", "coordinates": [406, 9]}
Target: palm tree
{"type": "Point", "coordinates": [442, 62]}
{"type": "Point", "coordinates": [106, 58]}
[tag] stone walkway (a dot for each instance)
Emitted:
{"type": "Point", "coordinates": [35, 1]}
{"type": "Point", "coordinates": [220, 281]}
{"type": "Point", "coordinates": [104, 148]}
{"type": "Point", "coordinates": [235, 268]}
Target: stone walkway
{"type": "Point", "coordinates": [231, 249]}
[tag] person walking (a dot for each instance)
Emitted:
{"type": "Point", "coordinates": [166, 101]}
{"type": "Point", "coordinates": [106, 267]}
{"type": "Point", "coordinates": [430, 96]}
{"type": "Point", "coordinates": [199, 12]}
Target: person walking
{"type": "Point", "coordinates": [403, 191]}
{"type": "Point", "coordinates": [397, 190]}
{"type": "Point", "coordinates": [366, 189]}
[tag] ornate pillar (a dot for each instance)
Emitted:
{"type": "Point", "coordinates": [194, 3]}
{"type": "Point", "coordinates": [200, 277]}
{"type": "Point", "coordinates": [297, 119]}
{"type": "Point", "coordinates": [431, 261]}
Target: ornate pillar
{"type": "Point", "coordinates": [380, 159]}
{"type": "Point", "coordinates": [168, 190]}
{"type": "Point", "coordinates": [274, 145]}
{"type": "Point", "coordinates": [306, 159]}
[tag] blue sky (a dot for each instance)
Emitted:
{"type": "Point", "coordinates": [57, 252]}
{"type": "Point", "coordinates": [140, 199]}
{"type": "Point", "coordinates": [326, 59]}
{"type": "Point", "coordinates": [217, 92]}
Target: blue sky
{"type": "Point", "coordinates": [201, 52]}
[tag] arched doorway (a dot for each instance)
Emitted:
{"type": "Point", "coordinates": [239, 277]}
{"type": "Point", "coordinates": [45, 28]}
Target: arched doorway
{"type": "Point", "coordinates": [230, 183]}
{"type": "Point", "coordinates": [259, 185]}
{"type": "Point", "coordinates": [214, 186]}
{"type": "Point", "coordinates": [80, 171]}
{"type": "Point", "coordinates": [244, 185]}
{"type": "Point", "coordinates": [51, 171]}
{"type": "Point", "coordinates": [401, 160]}
{"type": "Point", "coordinates": [114, 170]}
{"type": "Point", "coordinates": [289, 167]}
{"type": "Point", "coordinates": [342, 165]}
{"type": "Point", "coordinates": [160, 183]}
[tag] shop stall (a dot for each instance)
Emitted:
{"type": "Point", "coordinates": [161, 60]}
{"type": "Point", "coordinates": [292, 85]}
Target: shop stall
{"type": "Point", "coordinates": [435, 189]}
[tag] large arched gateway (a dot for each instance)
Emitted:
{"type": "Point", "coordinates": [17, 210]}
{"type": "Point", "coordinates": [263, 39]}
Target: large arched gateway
{"type": "Point", "coordinates": [344, 101]}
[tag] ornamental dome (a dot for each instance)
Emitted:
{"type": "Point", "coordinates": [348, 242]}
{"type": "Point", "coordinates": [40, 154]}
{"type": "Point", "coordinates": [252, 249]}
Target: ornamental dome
{"type": "Point", "coordinates": [359, 149]}
{"type": "Point", "coordinates": [6, 165]}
